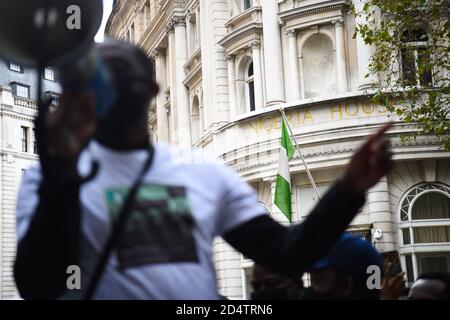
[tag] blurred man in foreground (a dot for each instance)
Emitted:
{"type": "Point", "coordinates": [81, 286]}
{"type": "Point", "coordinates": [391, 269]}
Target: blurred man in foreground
{"type": "Point", "coordinates": [183, 202]}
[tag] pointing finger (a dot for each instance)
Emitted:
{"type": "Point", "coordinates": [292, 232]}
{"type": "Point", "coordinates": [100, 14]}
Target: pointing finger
{"type": "Point", "coordinates": [382, 130]}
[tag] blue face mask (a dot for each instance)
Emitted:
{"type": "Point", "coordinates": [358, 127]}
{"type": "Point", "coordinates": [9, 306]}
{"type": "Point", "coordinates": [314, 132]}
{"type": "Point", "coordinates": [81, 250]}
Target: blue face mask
{"type": "Point", "coordinates": [91, 73]}
{"type": "Point", "coordinates": [102, 85]}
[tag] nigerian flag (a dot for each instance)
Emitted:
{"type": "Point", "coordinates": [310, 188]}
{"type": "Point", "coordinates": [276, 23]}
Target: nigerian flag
{"type": "Point", "coordinates": [283, 184]}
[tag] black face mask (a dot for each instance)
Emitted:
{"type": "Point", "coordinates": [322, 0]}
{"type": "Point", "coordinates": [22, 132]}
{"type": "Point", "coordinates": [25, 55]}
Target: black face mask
{"type": "Point", "coordinates": [309, 294]}
{"type": "Point", "coordinates": [270, 294]}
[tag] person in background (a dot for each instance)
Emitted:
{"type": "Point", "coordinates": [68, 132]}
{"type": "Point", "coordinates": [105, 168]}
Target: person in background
{"type": "Point", "coordinates": [270, 286]}
{"type": "Point", "coordinates": [431, 286]}
{"type": "Point", "coordinates": [342, 273]}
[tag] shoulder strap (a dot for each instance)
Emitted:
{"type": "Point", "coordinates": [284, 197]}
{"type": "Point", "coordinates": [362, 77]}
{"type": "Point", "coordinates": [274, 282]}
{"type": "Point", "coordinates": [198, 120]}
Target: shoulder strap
{"type": "Point", "coordinates": [118, 227]}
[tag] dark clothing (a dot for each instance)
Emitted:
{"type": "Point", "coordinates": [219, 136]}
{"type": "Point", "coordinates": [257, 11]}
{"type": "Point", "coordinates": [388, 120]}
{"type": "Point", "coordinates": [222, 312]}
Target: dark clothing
{"type": "Point", "coordinates": [51, 243]}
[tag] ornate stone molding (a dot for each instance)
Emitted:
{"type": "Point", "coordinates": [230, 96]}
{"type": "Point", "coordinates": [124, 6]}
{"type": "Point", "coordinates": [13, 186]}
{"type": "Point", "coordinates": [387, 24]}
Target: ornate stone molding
{"type": "Point", "coordinates": [253, 29]}
{"type": "Point", "coordinates": [174, 22]}
{"type": "Point", "coordinates": [179, 21]}
{"type": "Point", "coordinates": [241, 164]}
{"type": "Point", "coordinates": [231, 57]}
{"type": "Point", "coordinates": [338, 22]}
{"type": "Point", "coordinates": [158, 53]}
{"type": "Point", "coordinates": [313, 9]}
{"type": "Point", "coordinates": [254, 45]}
{"type": "Point", "coordinates": [167, 108]}
{"type": "Point", "coordinates": [291, 33]}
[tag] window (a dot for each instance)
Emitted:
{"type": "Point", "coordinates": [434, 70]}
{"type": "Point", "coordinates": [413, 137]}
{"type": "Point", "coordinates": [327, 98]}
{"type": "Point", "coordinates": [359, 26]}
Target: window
{"type": "Point", "coordinates": [414, 54]}
{"type": "Point", "coordinates": [132, 34]}
{"type": "Point", "coordinates": [426, 262]}
{"type": "Point", "coordinates": [24, 139]}
{"type": "Point", "coordinates": [55, 98]}
{"type": "Point", "coordinates": [147, 13]}
{"type": "Point", "coordinates": [247, 4]}
{"type": "Point", "coordinates": [20, 90]}
{"type": "Point", "coordinates": [433, 262]}
{"type": "Point", "coordinates": [250, 87]}
{"type": "Point", "coordinates": [15, 67]}
{"type": "Point", "coordinates": [35, 151]}
{"type": "Point", "coordinates": [49, 74]}
{"type": "Point", "coordinates": [247, 280]}
{"type": "Point", "coordinates": [23, 91]}
{"type": "Point", "coordinates": [425, 229]}
{"type": "Point", "coordinates": [196, 127]}
{"type": "Point", "coordinates": [193, 33]}
{"type": "Point", "coordinates": [318, 66]}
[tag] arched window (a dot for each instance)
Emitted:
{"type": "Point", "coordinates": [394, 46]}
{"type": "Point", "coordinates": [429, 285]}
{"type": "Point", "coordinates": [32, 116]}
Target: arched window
{"type": "Point", "coordinates": [319, 72]}
{"type": "Point", "coordinates": [425, 229]}
{"type": "Point", "coordinates": [195, 120]}
{"type": "Point", "coordinates": [250, 87]}
{"type": "Point", "coordinates": [414, 52]}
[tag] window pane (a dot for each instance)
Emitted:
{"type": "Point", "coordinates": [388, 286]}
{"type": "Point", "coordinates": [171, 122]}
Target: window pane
{"type": "Point", "coordinates": [306, 280]}
{"type": "Point", "coordinates": [132, 34]}
{"type": "Point", "coordinates": [415, 35]}
{"type": "Point", "coordinates": [251, 95]}
{"type": "Point", "coordinates": [433, 262]}
{"type": "Point", "coordinates": [248, 4]}
{"type": "Point", "coordinates": [24, 139]}
{"type": "Point", "coordinates": [55, 99]}
{"type": "Point", "coordinates": [22, 91]}
{"type": "Point", "coordinates": [431, 234]}
{"type": "Point", "coordinates": [409, 268]}
{"type": "Point", "coordinates": [424, 58]}
{"type": "Point", "coordinates": [49, 74]}
{"type": "Point", "coordinates": [34, 142]}
{"type": "Point", "coordinates": [406, 236]}
{"type": "Point", "coordinates": [250, 71]}
{"type": "Point", "coordinates": [15, 67]}
{"type": "Point", "coordinates": [408, 66]}
{"type": "Point", "coordinates": [431, 205]}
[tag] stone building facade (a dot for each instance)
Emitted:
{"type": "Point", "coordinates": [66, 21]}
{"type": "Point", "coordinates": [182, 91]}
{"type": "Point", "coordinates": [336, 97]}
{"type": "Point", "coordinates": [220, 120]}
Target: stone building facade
{"type": "Point", "coordinates": [18, 108]}
{"type": "Point", "coordinates": [225, 68]}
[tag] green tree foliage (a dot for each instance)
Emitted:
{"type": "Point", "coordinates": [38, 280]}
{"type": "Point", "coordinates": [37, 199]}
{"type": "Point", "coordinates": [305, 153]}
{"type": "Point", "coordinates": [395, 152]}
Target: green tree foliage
{"type": "Point", "coordinates": [411, 60]}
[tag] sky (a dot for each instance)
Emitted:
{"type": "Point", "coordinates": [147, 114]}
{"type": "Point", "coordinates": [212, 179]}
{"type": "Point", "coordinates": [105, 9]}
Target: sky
{"type": "Point", "coordinates": [107, 7]}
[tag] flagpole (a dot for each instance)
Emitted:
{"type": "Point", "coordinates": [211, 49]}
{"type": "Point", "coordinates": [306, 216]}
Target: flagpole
{"type": "Point", "coordinates": [301, 154]}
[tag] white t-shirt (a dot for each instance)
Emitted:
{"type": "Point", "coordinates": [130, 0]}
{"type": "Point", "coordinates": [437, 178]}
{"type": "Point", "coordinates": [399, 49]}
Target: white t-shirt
{"type": "Point", "coordinates": [162, 254]}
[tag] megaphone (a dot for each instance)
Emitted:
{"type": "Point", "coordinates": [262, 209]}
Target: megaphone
{"type": "Point", "coordinates": [58, 33]}
{"type": "Point", "coordinates": [34, 33]}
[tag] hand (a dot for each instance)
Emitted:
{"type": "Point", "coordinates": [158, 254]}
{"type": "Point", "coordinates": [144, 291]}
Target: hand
{"type": "Point", "coordinates": [369, 164]}
{"type": "Point", "coordinates": [393, 285]}
{"type": "Point", "coordinates": [70, 127]}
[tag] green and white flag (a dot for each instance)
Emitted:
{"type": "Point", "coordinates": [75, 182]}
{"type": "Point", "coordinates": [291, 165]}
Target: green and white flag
{"type": "Point", "coordinates": [283, 184]}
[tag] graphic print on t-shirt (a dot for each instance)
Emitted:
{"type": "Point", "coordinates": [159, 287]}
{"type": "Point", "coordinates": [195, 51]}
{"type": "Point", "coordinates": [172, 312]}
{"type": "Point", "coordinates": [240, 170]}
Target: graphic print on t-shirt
{"type": "Point", "coordinates": [159, 228]}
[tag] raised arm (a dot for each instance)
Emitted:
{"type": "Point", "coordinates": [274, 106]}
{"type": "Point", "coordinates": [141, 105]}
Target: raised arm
{"type": "Point", "coordinates": [292, 250]}
{"type": "Point", "coordinates": [48, 207]}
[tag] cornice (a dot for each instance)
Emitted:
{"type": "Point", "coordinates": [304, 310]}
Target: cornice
{"type": "Point", "coordinates": [312, 9]}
